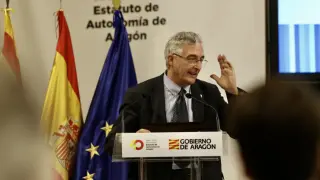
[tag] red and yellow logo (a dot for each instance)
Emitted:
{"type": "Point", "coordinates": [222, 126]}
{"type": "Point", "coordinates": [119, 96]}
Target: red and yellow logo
{"type": "Point", "coordinates": [137, 144]}
{"type": "Point", "coordinates": [174, 144]}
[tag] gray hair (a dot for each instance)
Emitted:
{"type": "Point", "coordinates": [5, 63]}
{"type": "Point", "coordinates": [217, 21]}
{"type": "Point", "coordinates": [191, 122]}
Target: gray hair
{"type": "Point", "coordinates": [177, 41]}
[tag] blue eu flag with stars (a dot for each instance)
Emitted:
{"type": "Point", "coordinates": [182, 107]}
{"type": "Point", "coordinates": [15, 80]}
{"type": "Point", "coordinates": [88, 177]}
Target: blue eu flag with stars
{"type": "Point", "coordinates": [118, 74]}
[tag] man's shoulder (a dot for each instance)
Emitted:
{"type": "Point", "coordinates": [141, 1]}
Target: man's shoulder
{"type": "Point", "coordinates": [146, 86]}
{"type": "Point", "coordinates": [206, 86]}
{"type": "Point", "coordinates": [149, 85]}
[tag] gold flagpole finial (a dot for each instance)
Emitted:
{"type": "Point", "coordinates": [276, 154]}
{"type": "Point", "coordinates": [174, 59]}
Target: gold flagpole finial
{"type": "Point", "coordinates": [6, 10]}
{"type": "Point", "coordinates": [116, 4]}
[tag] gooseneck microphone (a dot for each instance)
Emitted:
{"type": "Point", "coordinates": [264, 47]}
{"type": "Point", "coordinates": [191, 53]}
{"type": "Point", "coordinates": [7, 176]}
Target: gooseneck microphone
{"type": "Point", "coordinates": [189, 96]}
{"type": "Point", "coordinates": [120, 125]}
{"type": "Point", "coordinates": [142, 97]}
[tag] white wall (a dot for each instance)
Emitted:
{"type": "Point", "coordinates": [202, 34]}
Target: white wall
{"type": "Point", "coordinates": [235, 28]}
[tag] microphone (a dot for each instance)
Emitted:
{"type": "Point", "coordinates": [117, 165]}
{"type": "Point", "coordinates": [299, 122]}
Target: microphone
{"type": "Point", "coordinates": [142, 97]}
{"type": "Point", "coordinates": [110, 145]}
{"type": "Point", "coordinates": [189, 96]}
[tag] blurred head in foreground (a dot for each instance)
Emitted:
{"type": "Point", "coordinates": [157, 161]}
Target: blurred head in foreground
{"type": "Point", "coordinates": [277, 129]}
{"type": "Point", "coordinates": [22, 154]}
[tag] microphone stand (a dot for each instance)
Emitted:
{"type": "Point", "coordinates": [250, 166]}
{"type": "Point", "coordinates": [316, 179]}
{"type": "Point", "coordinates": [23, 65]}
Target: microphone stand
{"type": "Point", "coordinates": [142, 173]}
{"type": "Point", "coordinates": [189, 96]}
{"type": "Point", "coordinates": [197, 159]}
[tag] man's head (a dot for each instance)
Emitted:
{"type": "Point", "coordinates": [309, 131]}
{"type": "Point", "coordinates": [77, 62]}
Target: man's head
{"type": "Point", "coordinates": [277, 128]}
{"type": "Point", "coordinates": [184, 57]}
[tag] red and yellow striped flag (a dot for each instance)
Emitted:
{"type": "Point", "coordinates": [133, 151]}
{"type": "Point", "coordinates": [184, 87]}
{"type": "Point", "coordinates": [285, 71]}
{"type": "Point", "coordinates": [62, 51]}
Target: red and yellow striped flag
{"type": "Point", "coordinates": [174, 143]}
{"type": "Point", "coordinates": [61, 115]}
{"type": "Point", "coordinates": [9, 47]}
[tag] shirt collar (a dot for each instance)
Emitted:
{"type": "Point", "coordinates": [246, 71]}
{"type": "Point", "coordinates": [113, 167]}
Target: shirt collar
{"type": "Point", "coordinates": [173, 87]}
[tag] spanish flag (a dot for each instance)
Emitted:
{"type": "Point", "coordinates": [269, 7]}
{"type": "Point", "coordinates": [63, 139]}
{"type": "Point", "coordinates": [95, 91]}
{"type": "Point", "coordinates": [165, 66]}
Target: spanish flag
{"type": "Point", "coordinates": [61, 117]}
{"type": "Point", "coordinates": [9, 48]}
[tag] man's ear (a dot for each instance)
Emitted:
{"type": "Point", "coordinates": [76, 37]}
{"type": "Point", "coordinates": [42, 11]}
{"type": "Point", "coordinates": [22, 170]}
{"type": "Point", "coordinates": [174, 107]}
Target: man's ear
{"type": "Point", "coordinates": [170, 60]}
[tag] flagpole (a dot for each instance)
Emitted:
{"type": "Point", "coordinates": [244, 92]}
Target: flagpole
{"type": "Point", "coordinates": [107, 95]}
{"type": "Point", "coordinates": [7, 3]}
{"type": "Point", "coordinates": [142, 173]}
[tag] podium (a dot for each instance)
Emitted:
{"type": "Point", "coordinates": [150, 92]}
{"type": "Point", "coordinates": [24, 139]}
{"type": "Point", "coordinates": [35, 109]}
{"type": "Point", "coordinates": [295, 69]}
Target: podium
{"type": "Point", "coordinates": [191, 147]}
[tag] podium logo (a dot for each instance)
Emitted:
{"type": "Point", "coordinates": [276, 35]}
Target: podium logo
{"type": "Point", "coordinates": [174, 144]}
{"type": "Point", "coordinates": [137, 144]}
{"type": "Point", "coordinates": [197, 144]}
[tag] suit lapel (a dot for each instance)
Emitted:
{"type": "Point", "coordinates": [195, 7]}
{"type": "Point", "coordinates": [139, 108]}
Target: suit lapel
{"type": "Point", "coordinates": [158, 102]}
{"type": "Point", "coordinates": [197, 107]}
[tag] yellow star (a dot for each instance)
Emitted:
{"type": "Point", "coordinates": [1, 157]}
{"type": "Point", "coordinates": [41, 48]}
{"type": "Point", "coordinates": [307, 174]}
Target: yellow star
{"type": "Point", "coordinates": [88, 176]}
{"type": "Point", "coordinates": [93, 150]}
{"type": "Point", "coordinates": [107, 128]}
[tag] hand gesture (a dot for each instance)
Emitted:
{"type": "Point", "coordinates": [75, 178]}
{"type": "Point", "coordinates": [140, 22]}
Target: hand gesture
{"type": "Point", "coordinates": [227, 80]}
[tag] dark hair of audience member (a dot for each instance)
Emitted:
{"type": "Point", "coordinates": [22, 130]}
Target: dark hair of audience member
{"type": "Point", "coordinates": [277, 129]}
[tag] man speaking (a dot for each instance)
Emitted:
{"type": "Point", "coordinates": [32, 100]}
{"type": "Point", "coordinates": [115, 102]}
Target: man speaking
{"type": "Point", "coordinates": [177, 96]}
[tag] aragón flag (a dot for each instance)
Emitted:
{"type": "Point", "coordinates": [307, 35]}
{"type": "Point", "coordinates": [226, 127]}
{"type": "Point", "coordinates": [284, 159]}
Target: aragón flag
{"type": "Point", "coordinates": [9, 48]}
{"type": "Point", "coordinates": [117, 75]}
{"type": "Point", "coordinates": [61, 117]}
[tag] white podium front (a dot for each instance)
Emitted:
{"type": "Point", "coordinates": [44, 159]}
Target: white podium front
{"type": "Point", "coordinates": [155, 147]}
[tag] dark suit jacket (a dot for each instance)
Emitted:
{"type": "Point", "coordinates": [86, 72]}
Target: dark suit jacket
{"type": "Point", "coordinates": [142, 112]}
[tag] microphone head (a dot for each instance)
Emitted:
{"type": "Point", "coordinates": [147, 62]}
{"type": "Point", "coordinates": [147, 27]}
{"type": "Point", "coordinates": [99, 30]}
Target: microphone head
{"type": "Point", "coordinates": [145, 95]}
{"type": "Point", "coordinates": [188, 95]}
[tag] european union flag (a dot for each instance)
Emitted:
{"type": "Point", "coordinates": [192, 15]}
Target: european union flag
{"type": "Point", "coordinates": [118, 74]}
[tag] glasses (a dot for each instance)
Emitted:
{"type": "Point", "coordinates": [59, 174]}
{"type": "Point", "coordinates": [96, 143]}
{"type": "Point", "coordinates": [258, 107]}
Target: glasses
{"type": "Point", "coordinates": [192, 59]}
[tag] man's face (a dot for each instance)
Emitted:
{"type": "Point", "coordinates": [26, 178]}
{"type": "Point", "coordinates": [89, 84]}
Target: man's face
{"type": "Point", "coordinates": [184, 68]}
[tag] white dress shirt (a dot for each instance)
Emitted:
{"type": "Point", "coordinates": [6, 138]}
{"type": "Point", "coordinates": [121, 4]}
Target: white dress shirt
{"type": "Point", "coordinates": [171, 94]}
